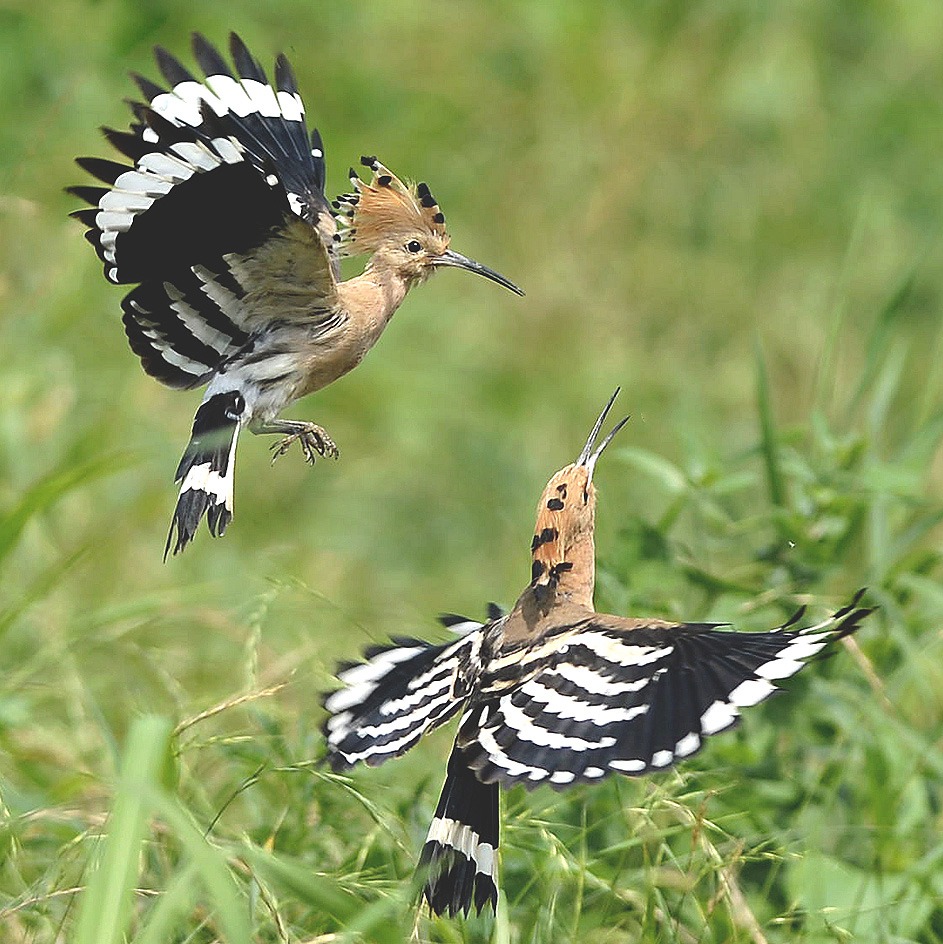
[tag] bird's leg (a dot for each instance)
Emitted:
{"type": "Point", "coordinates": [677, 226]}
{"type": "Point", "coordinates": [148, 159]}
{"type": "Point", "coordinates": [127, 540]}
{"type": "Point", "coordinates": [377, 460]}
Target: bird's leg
{"type": "Point", "coordinates": [314, 439]}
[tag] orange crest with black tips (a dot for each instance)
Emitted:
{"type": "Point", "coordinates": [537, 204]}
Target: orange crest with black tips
{"type": "Point", "coordinates": [385, 210]}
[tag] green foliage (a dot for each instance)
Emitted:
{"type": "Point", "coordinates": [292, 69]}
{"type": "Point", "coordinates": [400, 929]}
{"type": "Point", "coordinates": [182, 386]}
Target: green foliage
{"type": "Point", "coordinates": [733, 211]}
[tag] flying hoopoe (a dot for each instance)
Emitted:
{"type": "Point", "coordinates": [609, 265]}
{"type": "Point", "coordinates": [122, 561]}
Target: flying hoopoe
{"type": "Point", "coordinates": [554, 692]}
{"type": "Point", "coordinates": [223, 222]}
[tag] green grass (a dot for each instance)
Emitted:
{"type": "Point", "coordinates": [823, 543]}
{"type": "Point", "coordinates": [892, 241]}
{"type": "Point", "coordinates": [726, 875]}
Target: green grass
{"type": "Point", "coordinates": [733, 210]}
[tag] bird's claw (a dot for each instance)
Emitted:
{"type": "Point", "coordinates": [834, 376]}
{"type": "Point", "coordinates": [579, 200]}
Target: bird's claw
{"type": "Point", "coordinates": [314, 442]}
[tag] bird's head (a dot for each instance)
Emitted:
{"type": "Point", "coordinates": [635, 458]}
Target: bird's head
{"type": "Point", "coordinates": [563, 548]}
{"type": "Point", "coordinates": [401, 226]}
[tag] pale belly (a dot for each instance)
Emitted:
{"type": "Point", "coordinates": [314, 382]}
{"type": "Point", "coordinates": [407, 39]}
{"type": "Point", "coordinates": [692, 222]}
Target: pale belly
{"type": "Point", "coordinates": [289, 363]}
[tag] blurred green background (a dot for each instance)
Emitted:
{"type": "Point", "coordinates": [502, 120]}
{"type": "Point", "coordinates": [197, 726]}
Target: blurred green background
{"type": "Point", "coordinates": [732, 210]}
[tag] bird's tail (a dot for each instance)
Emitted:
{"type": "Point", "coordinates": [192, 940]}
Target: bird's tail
{"type": "Point", "coordinates": [206, 470]}
{"type": "Point", "coordinates": [460, 854]}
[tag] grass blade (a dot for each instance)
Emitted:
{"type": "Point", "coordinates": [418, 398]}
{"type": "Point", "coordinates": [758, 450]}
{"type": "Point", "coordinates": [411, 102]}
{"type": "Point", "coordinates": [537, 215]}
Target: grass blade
{"type": "Point", "coordinates": [212, 867]}
{"type": "Point", "coordinates": [105, 907]}
{"type": "Point", "coordinates": [774, 476]}
{"type": "Point", "coordinates": [174, 903]}
{"type": "Point", "coordinates": [324, 892]}
{"type": "Point", "coordinates": [47, 491]}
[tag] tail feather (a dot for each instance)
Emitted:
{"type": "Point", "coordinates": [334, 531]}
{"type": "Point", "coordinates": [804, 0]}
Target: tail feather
{"type": "Point", "coordinates": [206, 471]}
{"type": "Point", "coordinates": [460, 854]}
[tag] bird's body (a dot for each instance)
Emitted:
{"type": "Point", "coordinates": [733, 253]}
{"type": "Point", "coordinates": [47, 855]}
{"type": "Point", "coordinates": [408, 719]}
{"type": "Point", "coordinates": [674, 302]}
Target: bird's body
{"type": "Point", "coordinates": [554, 692]}
{"type": "Point", "coordinates": [222, 221]}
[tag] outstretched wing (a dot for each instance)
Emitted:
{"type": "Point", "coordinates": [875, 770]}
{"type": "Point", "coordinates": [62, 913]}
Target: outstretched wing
{"type": "Point", "coordinates": [605, 698]}
{"type": "Point", "coordinates": [225, 192]}
{"type": "Point", "coordinates": [401, 691]}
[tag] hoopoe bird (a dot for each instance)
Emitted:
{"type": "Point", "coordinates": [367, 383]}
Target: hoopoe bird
{"type": "Point", "coordinates": [554, 692]}
{"type": "Point", "coordinates": [222, 221]}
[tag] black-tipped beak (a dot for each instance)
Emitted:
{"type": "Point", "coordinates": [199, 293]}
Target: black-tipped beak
{"type": "Point", "coordinates": [589, 456]}
{"type": "Point", "coordinates": [456, 259]}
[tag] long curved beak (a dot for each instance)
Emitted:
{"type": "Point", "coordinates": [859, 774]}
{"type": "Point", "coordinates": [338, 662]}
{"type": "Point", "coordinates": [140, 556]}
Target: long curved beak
{"type": "Point", "coordinates": [589, 456]}
{"type": "Point", "coordinates": [456, 259]}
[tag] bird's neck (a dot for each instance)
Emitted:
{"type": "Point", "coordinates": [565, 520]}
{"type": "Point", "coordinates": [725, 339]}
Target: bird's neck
{"type": "Point", "coordinates": [373, 296]}
{"type": "Point", "coordinates": [558, 595]}
{"type": "Point", "coordinates": [393, 282]}
{"type": "Point", "coordinates": [563, 567]}
{"type": "Point", "coordinates": [577, 584]}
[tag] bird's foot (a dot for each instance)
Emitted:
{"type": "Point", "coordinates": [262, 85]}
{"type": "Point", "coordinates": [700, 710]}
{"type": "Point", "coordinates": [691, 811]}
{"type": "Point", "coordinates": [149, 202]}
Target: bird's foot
{"type": "Point", "coordinates": [314, 442]}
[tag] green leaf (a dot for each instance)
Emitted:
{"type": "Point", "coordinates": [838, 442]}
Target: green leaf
{"type": "Point", "coordinates": [672, 479]}
{"type": "Point", "coordinates": [842, 897]}
{"type": "Point", "coordinates": [38, 588]}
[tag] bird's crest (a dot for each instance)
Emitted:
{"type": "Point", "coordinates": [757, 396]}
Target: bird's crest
{"type": "Point", "coordinates": [383, 209]}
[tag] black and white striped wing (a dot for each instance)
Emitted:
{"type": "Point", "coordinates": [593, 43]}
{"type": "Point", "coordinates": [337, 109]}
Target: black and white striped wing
{"type": "Point", "coordinates": [401, 691]}
{"type": "Point", "coordinates": [605, 699]}
{"type": "Point", "coordinates": [182, 330]}
{"type": "Point", "coordinates": [219, 167]}
{"type": "Point", "coordinates": [217, 163]}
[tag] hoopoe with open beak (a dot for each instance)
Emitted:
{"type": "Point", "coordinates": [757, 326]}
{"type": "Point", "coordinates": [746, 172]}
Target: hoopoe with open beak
{"type": "Point", "coordinates": [554, 692]}
{"type": "Point", "coordinates": [222, 220]}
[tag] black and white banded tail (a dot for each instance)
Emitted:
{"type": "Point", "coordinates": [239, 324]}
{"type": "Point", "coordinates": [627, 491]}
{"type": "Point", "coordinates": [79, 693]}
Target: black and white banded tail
{"type": "Point", "coordinates": [206, 470]}
{"type": "Point", "coordinates": [459, 858]}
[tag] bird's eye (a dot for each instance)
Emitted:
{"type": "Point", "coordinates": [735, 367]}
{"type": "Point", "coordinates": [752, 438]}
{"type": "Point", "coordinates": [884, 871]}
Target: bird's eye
{"type": "Point", "coordinates": [413, 245]}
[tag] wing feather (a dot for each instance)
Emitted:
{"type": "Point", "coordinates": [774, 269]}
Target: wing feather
{"type": "Point", "coordinates": [220, 165]}
{"type": "Point", "coordinates": [388, 702]}
{"type": "Point", "coordinates": [631, 700]}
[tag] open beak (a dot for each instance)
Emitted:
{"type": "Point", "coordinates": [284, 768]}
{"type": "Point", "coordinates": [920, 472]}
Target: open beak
{"type": "Point", "coordinates": [588, 456]}
{"type": "Point", "coordinates": [456, 259]}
